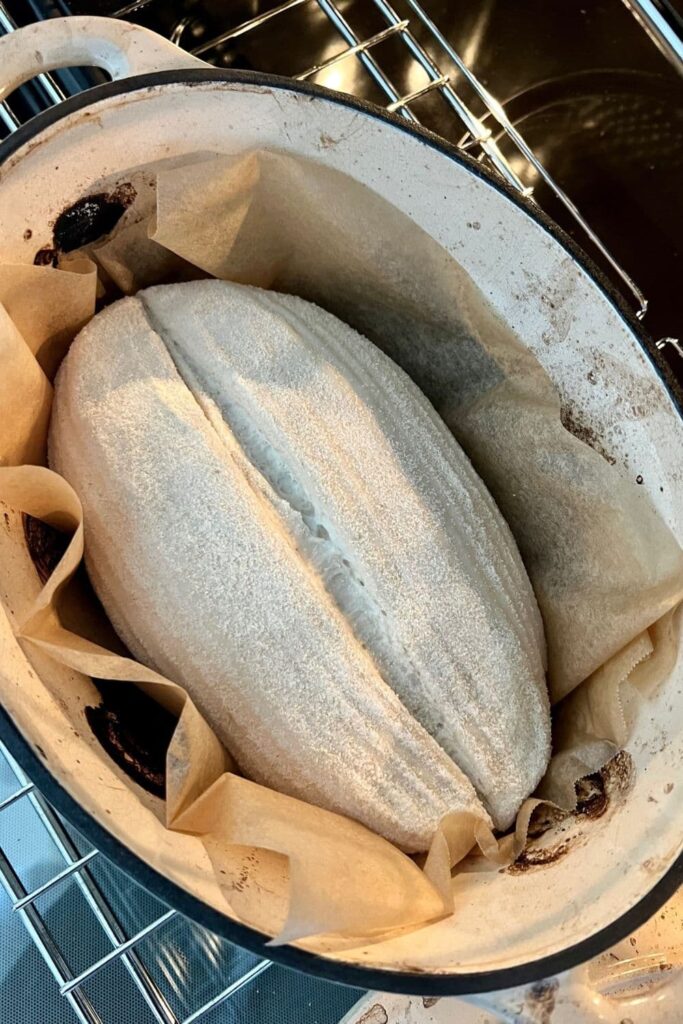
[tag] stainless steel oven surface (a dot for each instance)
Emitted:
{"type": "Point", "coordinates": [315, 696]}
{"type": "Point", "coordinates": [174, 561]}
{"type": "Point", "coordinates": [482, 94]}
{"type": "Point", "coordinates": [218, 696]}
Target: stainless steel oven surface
{"type": "Point", "coordinates": [579, 106]}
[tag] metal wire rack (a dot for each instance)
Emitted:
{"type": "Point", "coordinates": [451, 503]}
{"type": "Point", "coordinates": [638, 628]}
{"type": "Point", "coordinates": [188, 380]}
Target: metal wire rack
{"type": "Point", "coordinates": [477, 119]}
{"type": "Point", "coordinates": [119, 955]}
{"type": "Point", "coordinates": [448, 82]}
{"type": "Point", "coordinates": [78, 866]}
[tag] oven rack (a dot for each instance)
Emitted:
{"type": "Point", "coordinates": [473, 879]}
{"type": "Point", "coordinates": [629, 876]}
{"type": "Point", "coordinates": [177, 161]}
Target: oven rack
{"type": "Point", "coordinates": [448, 76]}
{"type": "Point", "coordinates": [77, 863]}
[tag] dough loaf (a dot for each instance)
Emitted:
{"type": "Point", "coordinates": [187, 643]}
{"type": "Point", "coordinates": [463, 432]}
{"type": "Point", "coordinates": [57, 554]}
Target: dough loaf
{"type": "Point", "coordinates": [276, 518]}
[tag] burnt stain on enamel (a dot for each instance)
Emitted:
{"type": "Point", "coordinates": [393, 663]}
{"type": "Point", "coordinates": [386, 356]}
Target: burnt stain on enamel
{"type": "Point", "coordinates": [132, 728]}
{"type": "Point", "coordinates": [90, 218]}
{"type": "Point", "coordinates": [377, 1014]}
{"type": "Point", "coordinates": [135, 732]}
{"type": "Point", "coordinates": [45, 544]}
{"type": "Point", "coordinates": [531, 858]}
{"type": "Point", "coordinates": [595, 794]}
{"type": "Point", "coordinates": [571, 422]}
{"type": "Point", "coordinates": [46, 257]}
{"type": "Point", "coordinates": [592, 798]}
{"type": "Point", "coordinates": [540, 999]}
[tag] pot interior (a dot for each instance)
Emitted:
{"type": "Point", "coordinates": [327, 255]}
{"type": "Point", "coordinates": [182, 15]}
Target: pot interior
{"type": "Point", "coordinates": [588, 871]}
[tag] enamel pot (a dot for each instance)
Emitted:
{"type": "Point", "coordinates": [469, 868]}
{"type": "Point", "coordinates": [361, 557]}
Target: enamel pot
{"type": "Point", "coordinates": [513, 927]}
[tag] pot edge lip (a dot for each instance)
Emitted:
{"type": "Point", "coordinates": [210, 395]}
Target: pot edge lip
{"type": "Point", "coordinates": [401, 982]}
{"type": "Point", "coordinates": [416, 983]}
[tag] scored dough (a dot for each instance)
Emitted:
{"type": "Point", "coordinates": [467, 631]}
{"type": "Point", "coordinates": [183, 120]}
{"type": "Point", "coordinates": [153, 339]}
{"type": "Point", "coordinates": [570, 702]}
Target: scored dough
{"type": "Point", "coordinates": [276, 518]}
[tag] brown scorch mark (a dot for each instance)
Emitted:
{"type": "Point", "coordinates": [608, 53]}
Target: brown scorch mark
{"type": "Point", "coordinates": [135, 731]}
{"type": "Point", "coordinates": [584, 433]}
{"type": "Point", "coordinates": [540, 1000]}
{"type": "Point", "coordinates": [594, 795]}
{"type": "Point", "coordinates": [45, 544]}
{"type": "Point", "coordinates": [375, 1015]}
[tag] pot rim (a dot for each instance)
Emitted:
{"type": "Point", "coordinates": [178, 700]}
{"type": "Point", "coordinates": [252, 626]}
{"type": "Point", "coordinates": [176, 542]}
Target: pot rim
{"type": "Point", "coordinates": [405, 982]}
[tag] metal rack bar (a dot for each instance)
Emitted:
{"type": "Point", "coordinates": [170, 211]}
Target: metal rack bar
{"type": "Point", "coordinates": [657, 19]}
{"type": "Point", "coordinates": [7, 117]}
{"type": "Point", "coordinates": [498, 113]}
{"type": "Point", "coordinates": [68, 871]}
{"type": "Point", "coordinates": [119, 950]}
{"type": "Point", "coordinates": [246, 979]}
{"type": "Point", "coordinates": [52, 92]}
{"type": "Point", "coordinates": [103, 913]}
{"type": "Point", "coordinates": [35, 926]}
{"type": "Point", "coordinates": [352, 51]}
{"type": "Point", "coordinates": [473, 125]}
{"type": "Point", "coordinates": [123, 948]}
{"type": "Point", "coordinates": [133, 8]}
{"type": "Point", "coordinates": [673, 343]}
{"type": "Point", "coordinates": [431, 86]}
{"type": "Point", "coordinates": [12, 799]}
{"type": "Point", "coordinates": [44, 942]}
{"type": "Point", "coordinates": [366, 59]}
{"type": "Point", "coordinates": [94, 898]}
{"type": "Point", "coordinates": [247, 26]}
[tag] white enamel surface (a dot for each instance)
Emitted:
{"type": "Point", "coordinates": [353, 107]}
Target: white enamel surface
{"type": "Point", "coordinates": [117, 47]}
{"type": "Point", "coordinates": [597, 364]}
{"type": "Point", "coordinates": [638, 981]}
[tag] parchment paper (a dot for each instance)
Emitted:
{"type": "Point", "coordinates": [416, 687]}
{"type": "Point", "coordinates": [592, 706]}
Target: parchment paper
{"type": "Point", "coordinates": [296, 226]}
{"type": "Point", "coordinates": [306, 229]}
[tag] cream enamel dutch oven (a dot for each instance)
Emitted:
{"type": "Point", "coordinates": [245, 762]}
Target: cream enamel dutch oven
{"type": "Point", "coordinates": [510, 928]}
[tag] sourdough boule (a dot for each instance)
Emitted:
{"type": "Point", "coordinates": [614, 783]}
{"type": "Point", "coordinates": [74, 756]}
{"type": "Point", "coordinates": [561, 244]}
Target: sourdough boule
{"type": "Point", "coordinates": [276, 518]}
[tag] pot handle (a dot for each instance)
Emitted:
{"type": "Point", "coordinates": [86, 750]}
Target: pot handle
{"type": "Point", "coordinates": [117, 47]}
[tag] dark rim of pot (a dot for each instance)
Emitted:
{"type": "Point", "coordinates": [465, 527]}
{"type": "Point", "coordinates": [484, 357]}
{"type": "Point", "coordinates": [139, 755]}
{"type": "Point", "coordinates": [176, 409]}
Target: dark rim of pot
{"type": "Point", "coordinates": [409, 982]}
